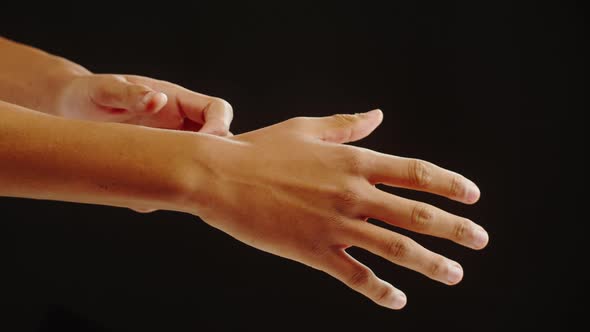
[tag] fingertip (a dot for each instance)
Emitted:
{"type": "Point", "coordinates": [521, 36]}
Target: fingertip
{"type": "Point", "coordinates": [454, 274]}
{"type": "Point", "coordinates": [215, 127]}
{"type": "Point", "coordinates": [228, 109]}
{"type": "Point", "coordinates": [391, 297]}
{"type": "Point", "coordinates": [376, 112]}
{"type": "Point", "coordinates": [373, 119]}
{"type": "Point", "coordinates": [143, 210]}
{"type": "Point", "coordinates": [473, 192]}
{"type": "Point", "coordinates": [215, 132]}
{"type": "Point", "coordinates": [480, 238]}
{"type": "Point", "coordinates": [375, 116]}
{"type": "Point", "coordinates": [397, 301]}
{"type": "Point", "coordinates": [153, 101]}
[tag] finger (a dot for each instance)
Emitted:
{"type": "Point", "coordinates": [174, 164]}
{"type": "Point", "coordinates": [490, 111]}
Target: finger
{"type": "Point", "coordinates": [403, 251]}
{"type": "Point", "coordinates": [214, 114]}
{"type": "Point", "coordinates": [424, 218]}
{"type": "Point", "coordinates": [190, 125]}
{"type": "Point", "coordinates": [193, 105]}
{"type": "Point", "coordinates": [116, 92]}
{"type": "Point", "coordinates": [421, 175]}
{"type": "Point", "coordinates": [344, 128]}
{"type": "Point", "coordinates": [218, 115]}
{"type": "Point", "coordinates": [360, 278]}
{"type": "Point", "coordinates": [143, 210]}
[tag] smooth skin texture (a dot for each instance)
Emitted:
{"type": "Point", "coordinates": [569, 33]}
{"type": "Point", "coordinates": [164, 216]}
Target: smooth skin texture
{"type": "Point", "coordinates": [315, 194]}
{"type": "Point", "coordinates": [36, 80]}
{"type": "Point", "coordinates": [293, 189]}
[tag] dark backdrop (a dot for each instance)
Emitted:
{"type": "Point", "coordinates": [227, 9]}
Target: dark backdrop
{"type": "Point", "coordinates": [484, 89]}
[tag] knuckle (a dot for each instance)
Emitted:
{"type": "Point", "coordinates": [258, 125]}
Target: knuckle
{"type": "Point", "coordinates": [460, 230]}
{"type": "Point", "coordinates": [344, 119]}
{"type": "Point", "coordinates": [131, 90]}
{"type": "Point", "coordinates": [457, 186]}
{"type": "Point", "coordinates": [348, 200]}
{"type": "Point", "coordinates": [419, 173]}
{"type": "Point", "coordinates": [336, 220]}
{"type": "Point", "coordinates": [355, 161]}
{"type": "Point", "coordinates": [422, 216]}
{"type": "Point", "coordinates": [360, 278]}
{"type": "Point", "coordinates": [317, 248]}
{"type": "Point", "coordinates": [104, 94]}
{"type": "Point", "coordinates": [397, 248]}
{"type": "Point", "coordinates": [348, 197]}
{"type": "Point", "coordinates": [385, 294]}
{"type": "Point", "coordinates": [437, 268]}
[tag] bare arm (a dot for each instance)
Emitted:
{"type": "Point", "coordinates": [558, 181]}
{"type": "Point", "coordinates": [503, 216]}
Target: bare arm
{"type": "Point", "coordinates": [29, 77]}
{"type": "Point", "coordinates": [290, 189]}
{"type": "Point", "coordinates": [51, 84]}
{"type": "Point", "coordinates": [48, 157]}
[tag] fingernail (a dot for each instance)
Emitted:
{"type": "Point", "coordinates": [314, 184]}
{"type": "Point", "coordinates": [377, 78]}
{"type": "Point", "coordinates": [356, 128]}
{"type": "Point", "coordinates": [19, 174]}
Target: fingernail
{"type": "Point", "coordinates": [455, 273]}
{"type": "Point", "coordinates": [480, 238]}
{"type": "Point", "coordinates": [371, 112]}
{"type": "Point", "coordinates": [398, 300]}
{"type": "Point", "coordinates": [148, 96]}
{"type": "Point", "coordinates": [472, 192]}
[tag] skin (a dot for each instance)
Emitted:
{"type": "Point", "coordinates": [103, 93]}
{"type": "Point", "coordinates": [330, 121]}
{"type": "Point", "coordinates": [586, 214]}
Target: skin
{"type": "Point", "coordinates": [34, 79]}
{"type": "Point", "coordinates": [37, 80]}
{"type": "Point", "coordinates": [293, 189]}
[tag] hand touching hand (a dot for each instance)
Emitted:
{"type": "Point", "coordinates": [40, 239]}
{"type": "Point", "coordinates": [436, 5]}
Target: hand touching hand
{"type": "Point", "coordinates": [143, 101]}
{"type": "Point", "coordinates": [293, 190]}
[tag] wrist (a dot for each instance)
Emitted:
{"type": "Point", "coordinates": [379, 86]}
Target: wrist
{"type": "Point", "coordinates": [47, 157]}
{"type": "Point", "coordinates": [60, 74]}
{"type": "Point", "coordinates": [33, 78]}
{"type": "Point", "coordinates": [196, 175]}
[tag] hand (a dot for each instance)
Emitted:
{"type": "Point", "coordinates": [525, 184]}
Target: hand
{"type": "Point", "coordinates": [142, 101]}
{"type": "Point", "coordinates": [293, 190]}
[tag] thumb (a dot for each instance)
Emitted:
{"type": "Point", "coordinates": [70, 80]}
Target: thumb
{"type": "Point", "coordinates": [344, 128]}
{"type": "Point", "coordinates": [217, 115]}
{"type": "Point", "coordinates": [114, 91]}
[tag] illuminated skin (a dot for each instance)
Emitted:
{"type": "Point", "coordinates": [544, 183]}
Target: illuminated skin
{"type": "Point", "coordinates": [34, 79]}
{"type": "Point", "coordinates": [292, 189]}
{"type": "Point", "coordinates": [37, 80]}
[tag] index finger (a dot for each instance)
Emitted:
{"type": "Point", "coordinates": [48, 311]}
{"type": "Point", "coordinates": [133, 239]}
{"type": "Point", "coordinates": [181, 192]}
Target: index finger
{"type": "Point", "coordinates": [421, 175]}
{"type": "Point", "coordinates": [215, 114]}
{"type": "Point", "coordinates": [197, 107]}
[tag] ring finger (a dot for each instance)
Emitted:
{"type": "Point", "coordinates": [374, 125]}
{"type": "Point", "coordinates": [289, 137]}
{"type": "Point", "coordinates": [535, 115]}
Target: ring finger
{"type": "Point", "coordinates": [424, 218]}
{"type": "Point", "coordinates": [403, 251]}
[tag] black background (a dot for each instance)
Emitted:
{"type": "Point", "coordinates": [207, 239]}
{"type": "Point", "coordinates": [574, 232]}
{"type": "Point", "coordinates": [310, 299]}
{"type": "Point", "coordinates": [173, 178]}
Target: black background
{"type": "Point", "coordinates": [486, 89]}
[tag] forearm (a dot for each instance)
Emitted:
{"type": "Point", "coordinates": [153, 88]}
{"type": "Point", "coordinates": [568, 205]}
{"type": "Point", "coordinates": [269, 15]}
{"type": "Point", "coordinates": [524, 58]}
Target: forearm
{"type": "Point", "coordinates": [30, 77]}
{"type": "Point", "coordinates": [48, 157]}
